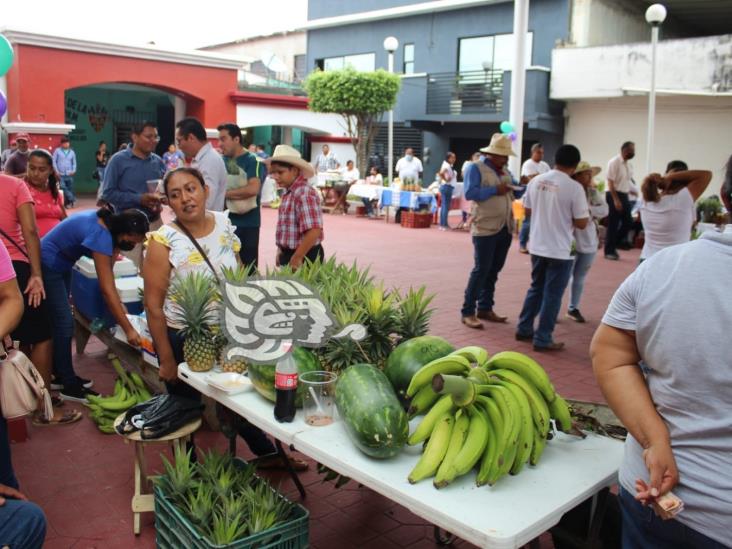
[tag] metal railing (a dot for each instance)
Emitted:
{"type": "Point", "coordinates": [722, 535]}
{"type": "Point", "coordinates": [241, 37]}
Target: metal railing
{"type": "Point", "coordinates": [468, 92]}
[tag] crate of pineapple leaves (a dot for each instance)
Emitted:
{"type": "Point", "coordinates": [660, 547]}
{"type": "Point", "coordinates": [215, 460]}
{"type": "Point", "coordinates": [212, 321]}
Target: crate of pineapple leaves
{"type": "Point", "coordinates": [220, 502]}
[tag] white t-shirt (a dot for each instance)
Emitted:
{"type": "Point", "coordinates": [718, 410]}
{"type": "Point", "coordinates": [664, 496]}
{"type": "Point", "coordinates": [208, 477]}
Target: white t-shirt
{"type": "Point", "coordinates": [409, 169]}
{"type": "Point", "coordinates": [678, 304]}
{"type": "Point", "coordinates": [621, 173]}
{"type": "Point", "coordinates": [555, 200]}
{"type": "Point", "coordinates": [452, 174]}
{"type": "Point", "coordinates": [531, 167]}
{"type": "Point", "coordinates": [351, 175]}
{"type": "Point", "coordinates": [212, 167]}
{"type": "Point", "coordinates": [586, 239]}
{"type": "Point", "coordinates": [667, 222]}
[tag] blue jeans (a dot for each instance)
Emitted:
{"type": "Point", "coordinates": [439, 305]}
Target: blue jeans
{"type": "Point", "coordinates": [67, 186]}
{"type": "Point", "coordinates": [446, 195]}
{"type": "Point", "coordinates": [58, 286]}
{"type": "Point", "coordinates": [641, 528]}
{"type": "Point", "coordinates": [489, 253]}
{"type": "Point", "coordinates": [22, 525]}
{"type": "Point", "coordinates": [367, 204]}
{"type": "Point", "coordinates": [549, 279]}
{"type": "Point", "coordinates": [524, 234]}
{"type": "Point", "coordinates": [582, 264]}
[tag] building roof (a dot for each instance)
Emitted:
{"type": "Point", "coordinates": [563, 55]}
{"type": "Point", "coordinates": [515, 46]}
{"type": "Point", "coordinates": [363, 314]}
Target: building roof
{"type": "Point", "coordinates": [151, 52]}
{"type": "Point", "coordinates": [247, 39]}
{"type": "Point", "coordinates": [434, 6]}
{"type": "Point", "coordinates": [703, 17]}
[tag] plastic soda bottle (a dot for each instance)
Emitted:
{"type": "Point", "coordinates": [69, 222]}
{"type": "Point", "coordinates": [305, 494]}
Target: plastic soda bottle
{"type": "Point", "coordinates": [285, 387]}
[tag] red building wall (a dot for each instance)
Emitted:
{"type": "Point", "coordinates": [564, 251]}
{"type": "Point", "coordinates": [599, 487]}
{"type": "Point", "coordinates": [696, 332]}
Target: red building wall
{"type": "Point", "coordinates": [39, 77]}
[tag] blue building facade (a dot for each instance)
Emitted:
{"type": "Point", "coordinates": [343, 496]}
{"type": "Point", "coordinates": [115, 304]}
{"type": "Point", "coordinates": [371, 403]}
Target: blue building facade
{"type": "Point", "coordinates": [455, 64]}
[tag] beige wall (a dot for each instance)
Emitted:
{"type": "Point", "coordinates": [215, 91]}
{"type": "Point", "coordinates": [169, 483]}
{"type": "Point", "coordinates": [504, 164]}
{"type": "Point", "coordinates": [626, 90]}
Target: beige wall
{"type": "Point", "coordinates": [284, 45]}
{"type": "Point", "coordinates": [694, 129]}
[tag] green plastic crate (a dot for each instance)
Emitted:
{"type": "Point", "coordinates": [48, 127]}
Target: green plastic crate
{"type": "Point", "coordinates": [174, 531]}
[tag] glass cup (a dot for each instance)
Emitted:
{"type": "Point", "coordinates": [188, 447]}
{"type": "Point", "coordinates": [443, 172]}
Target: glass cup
{"type": "Point", "coordinates": [318, 397]}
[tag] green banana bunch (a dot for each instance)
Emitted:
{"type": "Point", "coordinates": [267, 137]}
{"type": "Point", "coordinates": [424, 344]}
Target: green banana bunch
{"type": "Point", "coordinates": [450, 364]}
{"type": "Point", "coordinates": [489, 413]}
{"type": "Point", "coordinates": [435, 449]}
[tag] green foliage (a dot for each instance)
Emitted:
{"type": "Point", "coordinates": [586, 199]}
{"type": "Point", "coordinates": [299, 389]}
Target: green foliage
{"type": "Point", "coordinates": [224, 501]}
{"type": "Point", "coordinates": [351, 93]}
{"type": "Point", "coordinates": [361, 98]}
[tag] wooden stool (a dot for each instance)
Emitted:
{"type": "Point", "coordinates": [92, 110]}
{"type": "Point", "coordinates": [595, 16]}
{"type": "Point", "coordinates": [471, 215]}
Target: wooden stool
{"type": "Point", "coordinates": [143, 501]}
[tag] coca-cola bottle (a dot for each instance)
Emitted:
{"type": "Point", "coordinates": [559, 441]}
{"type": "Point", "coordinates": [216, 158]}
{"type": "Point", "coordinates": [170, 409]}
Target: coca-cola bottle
{"type": "Point", "coordinates": [285, 387]}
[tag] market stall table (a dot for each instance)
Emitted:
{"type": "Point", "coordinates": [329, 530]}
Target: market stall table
{"type": "Point", "coordinates": [407, 199]}
{"type": "Point", "coordinates": [510, 514]}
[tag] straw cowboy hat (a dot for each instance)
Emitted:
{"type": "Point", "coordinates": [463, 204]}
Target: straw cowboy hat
{"type": "Point", "coordinates": [585, 166]}
{"type": "Point", "coordinates": [289, 155]}
{"type": "Point", "coordinates": [500, 145]}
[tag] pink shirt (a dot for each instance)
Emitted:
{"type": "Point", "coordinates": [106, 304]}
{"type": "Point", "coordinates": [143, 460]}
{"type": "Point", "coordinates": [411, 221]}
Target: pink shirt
{"type": "Point", "coordinates": [13, 194]}
{"type": "Point", "coordinates": [6, 267]}
{"type": "Point", "coordinates": [48, 210]}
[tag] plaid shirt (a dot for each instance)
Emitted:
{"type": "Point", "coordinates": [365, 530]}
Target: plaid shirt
{"type": "Point", "coordinates": [298, 213]}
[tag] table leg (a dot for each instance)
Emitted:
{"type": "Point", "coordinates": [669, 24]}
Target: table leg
{"type": "Point", "coordinates": [81, 337]}
{"type": "Point", "coordinates": [597, 516]}
{"type": "Point", "coordinates": [387, 214]}
{"type": "Point", "coordinates": [443, 539]}
{"type": "Point", "coordinates": [293, 474]}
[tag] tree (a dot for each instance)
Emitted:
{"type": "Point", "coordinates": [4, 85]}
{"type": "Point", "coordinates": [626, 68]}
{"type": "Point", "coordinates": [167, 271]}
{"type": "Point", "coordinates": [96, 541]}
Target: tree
{"type": "Point", "coordinates": [361, 98]}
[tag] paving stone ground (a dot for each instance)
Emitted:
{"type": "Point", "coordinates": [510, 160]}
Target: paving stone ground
{"type": "Point", "coordinates": [83, 480]}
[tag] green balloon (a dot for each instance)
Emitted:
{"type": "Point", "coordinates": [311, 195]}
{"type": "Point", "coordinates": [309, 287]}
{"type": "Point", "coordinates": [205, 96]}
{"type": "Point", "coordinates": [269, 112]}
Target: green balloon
{"type": "Point", "coordinates": [506, 127]}
{"type": "Point", "coordinates": [6, 55]}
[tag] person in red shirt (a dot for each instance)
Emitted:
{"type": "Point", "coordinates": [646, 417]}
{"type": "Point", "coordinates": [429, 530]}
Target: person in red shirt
{"type": "Point", "coordinates": [299, 231]}
{"type": "Point", "coordinates": [48, 201]}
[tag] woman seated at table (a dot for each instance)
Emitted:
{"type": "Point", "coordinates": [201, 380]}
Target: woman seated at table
{"type": "Point", "coordinates": [374, 178]}
{"type": "Point", "coordinates": [172, 252]}
{"type": "Point", "coordinates": [99, 234]}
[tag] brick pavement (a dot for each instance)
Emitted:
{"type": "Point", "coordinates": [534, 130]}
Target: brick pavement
{"type": "Point", "coordinates": [83, 479]}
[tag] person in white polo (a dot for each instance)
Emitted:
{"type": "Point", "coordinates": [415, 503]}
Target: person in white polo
{"type": "Point", "coordinates": [557, 204]}
{"type": "Point", "coordinates": [619, 185]}
{"type": "Point", "coordinates": [533, 166]}
{"type": "Point", "coordinates": [192, 141]}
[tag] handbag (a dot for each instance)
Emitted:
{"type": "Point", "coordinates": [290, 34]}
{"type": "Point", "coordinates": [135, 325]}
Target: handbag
{"type": "Point", "coordinates": [21, 386]}
{"type": "Point", "coordinates": [240, 206]}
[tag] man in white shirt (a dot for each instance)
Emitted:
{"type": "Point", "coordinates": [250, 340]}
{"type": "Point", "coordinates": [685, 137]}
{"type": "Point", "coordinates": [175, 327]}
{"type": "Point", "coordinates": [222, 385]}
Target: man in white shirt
{"type": "Point", "coordinates": [619, 185]}
{"type": "Point", "coordinates": [192, 140]}
{"type": "Point", "coordinates": [408, 166]}
{"type": "Point", "coordinates": [558, 204]}
{"type": "Point", "coordinates": [533, 166]}
{"type": "Point", "coordinates": [326, 160]}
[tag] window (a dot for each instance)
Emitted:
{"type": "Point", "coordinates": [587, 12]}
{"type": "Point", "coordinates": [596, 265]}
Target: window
{"type": "Point", "coordinates": [361, 62]}
{"type": "Point", "coordinates": [495, 52]}
{"type": "Point", "coordinates": [408, 59]}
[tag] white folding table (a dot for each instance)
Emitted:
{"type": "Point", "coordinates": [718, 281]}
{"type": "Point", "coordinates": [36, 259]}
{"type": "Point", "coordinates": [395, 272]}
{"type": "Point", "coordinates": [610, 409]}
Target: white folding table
{"type": "Point", "coordinates": [510, 514]}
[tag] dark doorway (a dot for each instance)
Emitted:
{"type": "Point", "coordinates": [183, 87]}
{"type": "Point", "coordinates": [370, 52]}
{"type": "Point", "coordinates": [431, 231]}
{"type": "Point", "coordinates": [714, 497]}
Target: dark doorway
{"type": "Point", "coordinates": [166, 127]}
{"type": "Point", "coordinates": [464, 147]}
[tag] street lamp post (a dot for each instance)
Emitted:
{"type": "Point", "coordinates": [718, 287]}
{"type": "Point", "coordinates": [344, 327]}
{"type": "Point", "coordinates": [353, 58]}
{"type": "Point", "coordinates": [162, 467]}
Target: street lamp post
{"type": "Point", "coordinates": [390, 45]}
{"type": "Point", "coordinates": [655, 15]}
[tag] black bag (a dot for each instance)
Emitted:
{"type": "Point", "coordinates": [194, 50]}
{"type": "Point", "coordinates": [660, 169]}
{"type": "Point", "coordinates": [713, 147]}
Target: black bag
{"type": "Point", "coordinates": [160, 416]}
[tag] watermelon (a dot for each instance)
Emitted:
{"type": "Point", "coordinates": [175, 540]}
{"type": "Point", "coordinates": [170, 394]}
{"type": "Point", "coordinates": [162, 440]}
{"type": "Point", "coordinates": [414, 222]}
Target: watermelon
{"type": "Point", "coordinates": [374, 418]}
{"type": "Point", "coordinates": [409, 356]}
{"type": "Point", "coordinates": [263, 376]}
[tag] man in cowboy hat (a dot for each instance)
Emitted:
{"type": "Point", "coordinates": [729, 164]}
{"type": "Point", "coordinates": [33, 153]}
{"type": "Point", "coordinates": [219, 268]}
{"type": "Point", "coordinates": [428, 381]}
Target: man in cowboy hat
{"type": "Point", "coordinates": [490, 186]}
{"type": "Point", "coordinates": [558, 205]}
{"type": "Point", "coordinates": [299, 230]}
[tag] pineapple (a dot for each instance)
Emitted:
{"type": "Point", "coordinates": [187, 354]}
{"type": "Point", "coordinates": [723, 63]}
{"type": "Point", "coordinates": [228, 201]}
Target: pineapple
{"type": "Point", "coordinates": [413, 316]}
{"type": "Point", "coordinates": [237, 364]}
{"type": "Point", "coordinates": [196, 309]}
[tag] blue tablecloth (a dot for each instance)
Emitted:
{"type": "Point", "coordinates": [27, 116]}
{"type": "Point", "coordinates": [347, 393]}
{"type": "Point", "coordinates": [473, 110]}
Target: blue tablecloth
{"type": "Point", "coordinates": [405, 199]}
